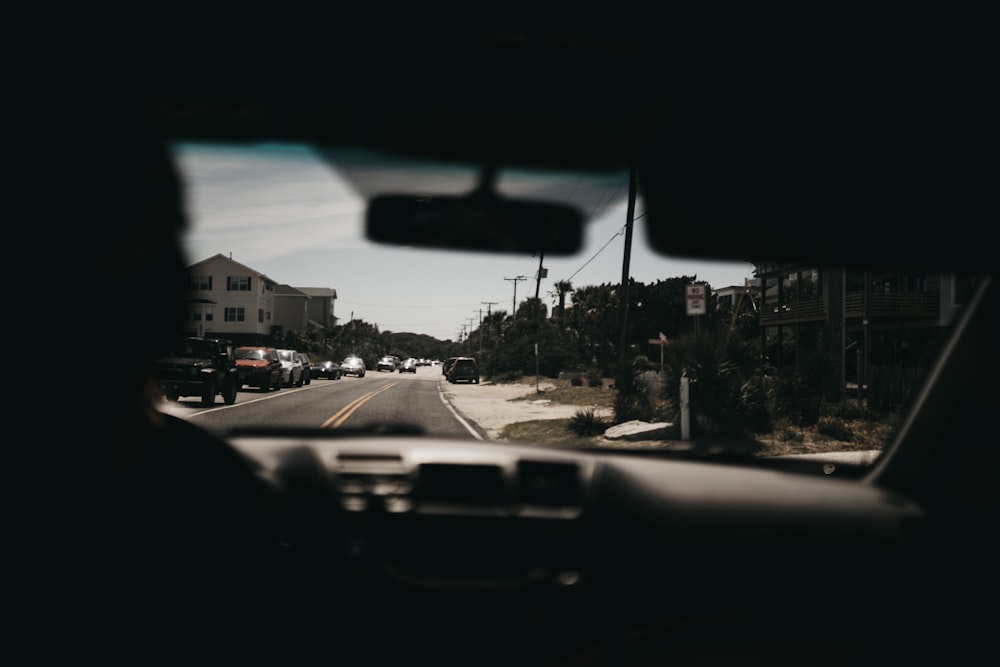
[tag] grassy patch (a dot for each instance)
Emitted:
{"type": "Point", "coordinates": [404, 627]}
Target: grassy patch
{"type": "Point", "coordinates": [595, 397]}
{"type": "Point", "coordinates": [831, 434]}
{"type": "Point", "coordinates": [548, 432]}
{"type": "Point", "coordinates": [841, 428]}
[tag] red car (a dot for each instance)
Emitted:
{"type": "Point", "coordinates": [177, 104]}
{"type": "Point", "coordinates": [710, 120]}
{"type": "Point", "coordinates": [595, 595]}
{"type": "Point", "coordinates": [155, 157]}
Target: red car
{"type": "Point", "coordinates": [259, 367]}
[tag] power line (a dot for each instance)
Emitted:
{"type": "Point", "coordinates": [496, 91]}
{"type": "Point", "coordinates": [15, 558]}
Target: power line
{"type": "Point", "coordinates": [619, 233]}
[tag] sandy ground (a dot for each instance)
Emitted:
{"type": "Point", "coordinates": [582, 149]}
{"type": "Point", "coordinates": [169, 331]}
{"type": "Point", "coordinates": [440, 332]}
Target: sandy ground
{"type": "Point", "coordinates": [491, 406]}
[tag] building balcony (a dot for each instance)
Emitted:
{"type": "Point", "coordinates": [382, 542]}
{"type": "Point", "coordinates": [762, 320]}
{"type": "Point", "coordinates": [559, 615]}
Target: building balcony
{"type": "Point", "coordinates": [918, 306]}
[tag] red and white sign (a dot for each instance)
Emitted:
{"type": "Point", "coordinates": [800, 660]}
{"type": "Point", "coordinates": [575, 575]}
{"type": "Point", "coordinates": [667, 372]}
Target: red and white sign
{"type": "Point", "coordinates": [697, 300]}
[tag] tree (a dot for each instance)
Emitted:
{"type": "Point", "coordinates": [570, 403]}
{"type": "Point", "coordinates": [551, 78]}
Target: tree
{"type": "Point", "coordinates": [562, 289]}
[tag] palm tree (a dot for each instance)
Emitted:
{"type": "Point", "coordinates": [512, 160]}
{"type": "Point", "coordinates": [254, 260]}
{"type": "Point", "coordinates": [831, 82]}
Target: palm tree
{"type": "Point", "coordinates": [563, 287]}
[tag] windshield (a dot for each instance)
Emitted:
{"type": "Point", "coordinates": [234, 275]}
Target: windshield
{"type": "Point", "coordinates": [242, 353]}
{"type": "Point", "coordinates": [197, 349]}
{"type": "Point", "coordinates": [748, 360]}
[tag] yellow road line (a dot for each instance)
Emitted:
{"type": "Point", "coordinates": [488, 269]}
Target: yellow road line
{"type": "Point", "coordinates": [349, 409]}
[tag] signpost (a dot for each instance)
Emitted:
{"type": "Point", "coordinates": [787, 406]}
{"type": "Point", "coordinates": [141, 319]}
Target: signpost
{"type": "Point", "coordinates": [696, 302]}
{"type": "Point", "coordinates": [661, 342]}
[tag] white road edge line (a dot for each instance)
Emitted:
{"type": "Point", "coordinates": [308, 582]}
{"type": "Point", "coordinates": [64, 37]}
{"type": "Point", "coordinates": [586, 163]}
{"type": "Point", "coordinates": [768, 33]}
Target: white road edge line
{"type": "Point", "coordinates": [274, 394]}
{"type": "Point", "coordinates": [458, 416]}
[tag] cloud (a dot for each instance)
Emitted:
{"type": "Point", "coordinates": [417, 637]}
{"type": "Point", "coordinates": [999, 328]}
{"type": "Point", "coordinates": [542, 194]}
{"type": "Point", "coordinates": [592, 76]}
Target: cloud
{"type": "Point", "coordinates": [264, 205]}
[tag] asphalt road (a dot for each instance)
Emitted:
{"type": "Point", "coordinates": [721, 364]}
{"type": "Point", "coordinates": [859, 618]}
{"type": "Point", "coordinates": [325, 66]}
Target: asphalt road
{"type": "Point", "coordinates": [376, 400]}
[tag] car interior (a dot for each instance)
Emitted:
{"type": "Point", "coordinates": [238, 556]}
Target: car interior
{"type": "Point", "coordinates": [386, 547]}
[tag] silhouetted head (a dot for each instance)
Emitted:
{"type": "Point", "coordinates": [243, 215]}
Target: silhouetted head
{"type": "Point", "coordinates": [122, 263]}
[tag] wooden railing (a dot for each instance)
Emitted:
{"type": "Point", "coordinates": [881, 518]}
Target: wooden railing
{"type": "Point", "coordinates": [806, 310]}
{"type": "Point", "coordinates": [922, 305]}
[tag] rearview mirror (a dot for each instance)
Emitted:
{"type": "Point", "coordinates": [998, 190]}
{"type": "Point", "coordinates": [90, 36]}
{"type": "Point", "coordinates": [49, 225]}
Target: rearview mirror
{"type": "Point", "coordinates": [479, 221]}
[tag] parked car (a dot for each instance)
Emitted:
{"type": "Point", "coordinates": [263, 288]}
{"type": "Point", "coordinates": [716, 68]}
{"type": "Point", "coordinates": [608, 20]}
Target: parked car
{"type": "Point", "coordinates": [258, 366]}
{"type": "Point", "coordinates": [199, 367]}
{"type": "Point", "coordinates": [291, 368]}
{"type": "Point", "coordinates": [446, 365]}
{"type": "Point", "coordinates": [408, 366]}
{"type": "Point", "coordinates": [464, 369]}
{"type": "Point", "coordinates": [353, 365]}
{"type": "Point", "coordinates": [328, 370]}
{"type": "Point", "coordinates": [386, 363]}
{"type": "Point", "coordinates": [306, 367]}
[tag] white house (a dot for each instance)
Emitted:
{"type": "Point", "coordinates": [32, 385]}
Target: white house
{"type": "Point", "coordinates": [227, 299]}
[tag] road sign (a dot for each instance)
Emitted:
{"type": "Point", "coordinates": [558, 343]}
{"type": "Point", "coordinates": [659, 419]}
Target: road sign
{"type": "Point", "coordinates": [697, 300]}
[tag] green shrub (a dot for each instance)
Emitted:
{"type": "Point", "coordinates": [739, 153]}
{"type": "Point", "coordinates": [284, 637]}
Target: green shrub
{"type": "Point", "coordinates": [586, 423]}
{"type": "Point", "coordinates": [850, 408]}
{"type": "Point", "coordinates": [507, 377]}
{"type": "Point", "coordinates": [834, 428]}
{"type": "Point", "coordinates": [791, 434]}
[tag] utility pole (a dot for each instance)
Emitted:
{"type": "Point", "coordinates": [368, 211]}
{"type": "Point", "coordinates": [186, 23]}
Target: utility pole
{"type": "Point", "coordinates": [623, 306]}
{"type": "Point", "coordinates": [515, 280]}
{"type": "Point", "coordinates": [541, 273]}
{"type": "Point", "coordinates": [480, 334]}
{"type": "Point", "coordinates": [487, 304]}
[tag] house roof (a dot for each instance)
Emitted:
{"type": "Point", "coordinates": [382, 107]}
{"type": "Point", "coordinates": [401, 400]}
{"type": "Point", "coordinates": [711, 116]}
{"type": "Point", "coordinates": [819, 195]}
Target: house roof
{"type": "Point", "coordinates": [279, 289]}
{"type": "Point", "coordinates": [288, 290]}
{"type": "Point", "coordinates": [319, 291]}
{"type": "Point", "coordinates": [240, 266]}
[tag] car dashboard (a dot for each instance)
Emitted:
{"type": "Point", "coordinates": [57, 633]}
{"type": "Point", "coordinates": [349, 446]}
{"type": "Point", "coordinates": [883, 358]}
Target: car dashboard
{"type": "Point", "coordinates": [499, 540]}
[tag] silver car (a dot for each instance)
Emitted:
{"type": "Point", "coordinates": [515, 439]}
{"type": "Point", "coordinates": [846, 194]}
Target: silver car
{"type": "Point", "coordinates": [291, 368]}
{"type": "Point", "coordinates": [353, 366]}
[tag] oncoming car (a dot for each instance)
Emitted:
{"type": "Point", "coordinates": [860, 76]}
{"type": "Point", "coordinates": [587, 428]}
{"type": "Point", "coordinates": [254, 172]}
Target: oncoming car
{"type": "Point", "coordinates": [353, 366]}
{"type": "Point", "coordinates": [328, 370]}
{"type": "Point", "coordinates": [786, 464]}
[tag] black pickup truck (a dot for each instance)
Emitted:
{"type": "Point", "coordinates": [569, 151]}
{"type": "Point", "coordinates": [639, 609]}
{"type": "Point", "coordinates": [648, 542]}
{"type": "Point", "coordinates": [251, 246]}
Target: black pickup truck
{"type": "Point", "coordinates": [202, 367]}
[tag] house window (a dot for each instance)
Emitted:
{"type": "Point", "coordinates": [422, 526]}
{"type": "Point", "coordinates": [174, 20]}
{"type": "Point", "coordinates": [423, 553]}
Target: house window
{"type": "Point", "coordinates": [196, 316]}
{"type": "Point", "coordinates": [238, 283]}
{"type": "Point", "coordinates": [208, 314]}
{"type": "Point", "coordinates": [235, 314]}
{"type": "Point", "coordinates": [200, 283]}
{"type": "Point", "coordinates": [260, 314]}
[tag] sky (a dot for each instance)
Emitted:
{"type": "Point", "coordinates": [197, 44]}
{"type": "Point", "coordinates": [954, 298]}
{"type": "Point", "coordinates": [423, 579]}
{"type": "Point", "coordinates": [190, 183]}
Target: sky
{"type": "Point", "coordinates": [235, 195]}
